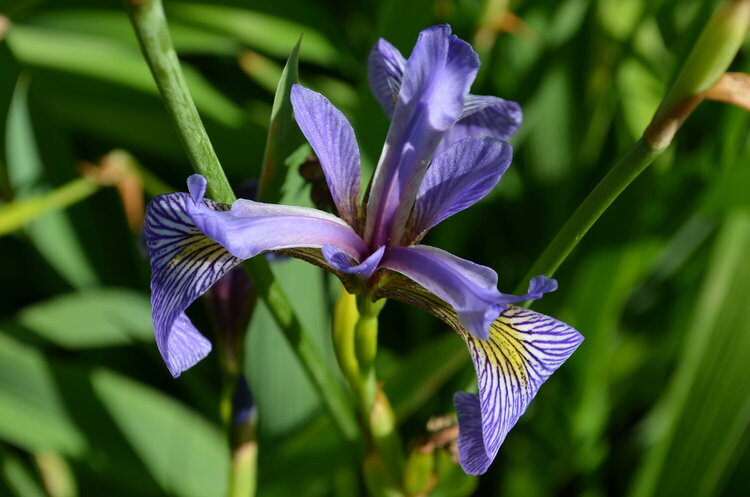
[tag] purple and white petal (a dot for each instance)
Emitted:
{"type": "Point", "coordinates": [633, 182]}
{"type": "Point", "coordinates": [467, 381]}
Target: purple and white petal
{"type": "Point", "coordinates": [469, 288]}
{"type": "Point", "coordinates": [342, 262]}
{"type": "Point", "coordinates": [184, 265]}
{"type": "Point", "coordinates": [385, 70]}
{"type": "Point", "coordinates": [250, 228]}
{"type": "Point", "coordinates": [457, 179]}
{"type": "Point", "coordinates": [486, 116]}
{"type": "Point", "coordinates": [523, 350]}
{"type": "Point", "coordinates": [436, 80]}
{"type": "Point", "coordinates": [332, 138]}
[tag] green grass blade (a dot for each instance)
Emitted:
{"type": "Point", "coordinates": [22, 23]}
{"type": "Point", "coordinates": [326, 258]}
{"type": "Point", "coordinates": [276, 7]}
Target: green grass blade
{"type": "Point", "coordinates": [283, 136]}
{"type": "Point", "coordinates": [701, 423]}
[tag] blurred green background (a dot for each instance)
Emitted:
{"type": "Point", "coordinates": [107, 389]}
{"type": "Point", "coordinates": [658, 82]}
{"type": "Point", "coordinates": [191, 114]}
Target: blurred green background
{"type": "Point", "coordinates": [655, 402]}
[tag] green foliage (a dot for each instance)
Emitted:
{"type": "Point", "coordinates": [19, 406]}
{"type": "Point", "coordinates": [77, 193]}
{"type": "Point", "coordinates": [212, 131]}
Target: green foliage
{"type": "Point", "coordinates": [655, 402]}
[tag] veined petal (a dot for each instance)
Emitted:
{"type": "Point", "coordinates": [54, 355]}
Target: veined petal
{"type": "Point", "coordinates": [436, 80]}
{"type": "Point", "coordinates": [469, 288]}
{"type": "Point", "coordinates": [343, 263]}
{"type": "Point", "coordinates": [457, 179]}
{"type": "Point", "coordinates": [332, 138]}
{"type": "Point", "coordinates": [484, 115]}
{"type": "Point", "coordinates": [523, 350]}
{"type": "Point", "coordinates": [249, 228]}
{"type": "Point", "coordinates": [184, 265]}
{"type": "Point", "coordinates": [385, 70]}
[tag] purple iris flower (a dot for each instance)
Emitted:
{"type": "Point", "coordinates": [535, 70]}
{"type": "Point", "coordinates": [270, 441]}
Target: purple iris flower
{"type": "Point", "coordinates": [443, 152]}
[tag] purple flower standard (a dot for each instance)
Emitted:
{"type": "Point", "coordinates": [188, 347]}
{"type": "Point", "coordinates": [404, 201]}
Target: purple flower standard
{"type": "Point", "coordinates": [444, 152]}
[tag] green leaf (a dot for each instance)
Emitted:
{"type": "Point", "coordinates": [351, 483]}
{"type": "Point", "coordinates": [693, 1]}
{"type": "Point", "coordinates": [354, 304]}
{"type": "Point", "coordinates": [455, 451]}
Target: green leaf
{"type": "Point", "coordinates": [282, 136]}
{"type": "Point", "coordinates": [18, 477]}
{"type": "Point", "coordinates": [33, 413]}
{"type": "Point", "coordinates": [112, 24]}
{"type": "Point", "coordinates": [701, 423]}
{"type": "Point", "coordinates": [112, 61]}
{"type": "Point", "coordinates": [92, 318]}
{"type": "Point", "coordinates": [264, 32]}
{"type": "Point", "coordinates": [51, 234]}
{"type": "Point", "coordinates": [275, 374]}
{"type": "Point", "coordinates": [640, 93]}
{"type": "Point", "coordinates": [184, 453]}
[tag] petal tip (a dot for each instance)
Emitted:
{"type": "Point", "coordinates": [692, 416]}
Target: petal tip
{"type": "Point", "coordinates": [197, 187]}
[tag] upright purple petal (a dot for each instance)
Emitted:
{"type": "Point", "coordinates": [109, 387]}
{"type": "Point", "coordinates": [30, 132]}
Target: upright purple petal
{"type": "Point", "coordinates": [524, 348]}
{"type": "Point", "coordinates": [469, 288]}
{"type": "Point", "coordinates": [487, 116]}
{"type": "Point", "coordinates": [184, 265]}
{"type": "Point", "coordinates": [457, 179]}
{"type": "Point", "coordinates": [436, 80]}
{"type": "Point", "coordinates": [332, 138]}
{"type": "Point", "coordinates": [385, 71]}
{"type": "Point", "coordinates": [250, 228]}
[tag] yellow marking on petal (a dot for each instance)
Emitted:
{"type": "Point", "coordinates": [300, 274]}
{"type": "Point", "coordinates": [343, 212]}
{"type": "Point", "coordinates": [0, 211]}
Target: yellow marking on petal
{"type": "Point", "coordinates": [192, 245]}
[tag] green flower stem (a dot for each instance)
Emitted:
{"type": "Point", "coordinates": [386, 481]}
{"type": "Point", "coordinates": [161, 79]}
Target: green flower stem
{"type": "Point", "coordinates": [20, 212]}
{"type": "Point", "coordinates": [709, 59]}
{"type": "Point", "coordinates": [355, 340]}
{"type": "Point", "coordinates": [150, 26]}
{"type": "Point", "coordinates": [243, 474]}
{"type": "Point", "coordinates": [366, 348]}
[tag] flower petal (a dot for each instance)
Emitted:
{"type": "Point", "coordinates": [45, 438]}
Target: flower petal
{"type": "Point", "coordinates": [457, 179]}
{"type": "Point", "coordinates": [342, 262]}
{"type": "Point", "coordinates": [484, 115]}
{"type": "Point", "coordinates": [469, 288]}
{"type": "Point", "coordinates": [184, 265]}
{"type": "Point", "coordinates": [523, 350]}
{"type": "Point", "coordinates": [385, 71]}
{"type": "Point", "coordinates": [249, 228]}
{"type": "Point", "coordinates": [436, 80]}
{"type": "Point", "coordinates": [332, 138]}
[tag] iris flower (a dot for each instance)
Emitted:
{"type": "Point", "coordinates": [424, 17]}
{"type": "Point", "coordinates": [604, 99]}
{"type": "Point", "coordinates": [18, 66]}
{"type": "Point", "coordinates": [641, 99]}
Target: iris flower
{"type": "Point", "coordinates": [443, 152]}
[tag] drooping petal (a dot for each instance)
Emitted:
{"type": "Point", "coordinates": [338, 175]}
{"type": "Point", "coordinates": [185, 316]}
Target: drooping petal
{"type": "Point", "coordinates": [457, 179]}
{"type": "Point", "coordinates": [385, 70]}
{"type": "Point", "coordinates": [250, 228]}
{"type": "Point", "coordinates": [342, 262]}
{"type": "Point", "coordinates": [436, 80]}
{"type": "Point", "coordinates": [184, 265]}
{"type": "Point", "coordinates": [332, 138]}
{"type": "Point", "coordinates": [469, 288]}
{"type": "Point", "coordinates": [538, 286]}
{"type": "Point", "coordinates": [484, 115]}
{"type": "Point", "coordinates": [523, 350]}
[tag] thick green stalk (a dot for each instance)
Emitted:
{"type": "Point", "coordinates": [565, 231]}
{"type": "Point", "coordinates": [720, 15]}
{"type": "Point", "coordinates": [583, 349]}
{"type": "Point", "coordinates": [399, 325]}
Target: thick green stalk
{"type": "Point", "coordinates": [355, 337]}
{"type": "Point", "coordinates": [150, 26]}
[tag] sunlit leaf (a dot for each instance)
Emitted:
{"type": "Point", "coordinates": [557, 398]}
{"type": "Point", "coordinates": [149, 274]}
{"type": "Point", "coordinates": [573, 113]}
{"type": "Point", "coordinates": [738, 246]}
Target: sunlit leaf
{"type": "Point", "coordinates": [112, 61]}
{"type": "Point", "coordinates": [92, 318]}
{"type": "Point", "coordinates": [52, 233]}
{"type": "Point", "coordinates": [283, 137]}
{"type": "Point", "coordinates": [184, 453]}
{"type": "Point", "coordinates": [32, 411]}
